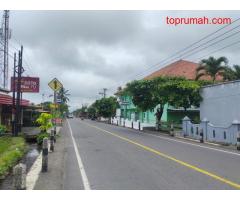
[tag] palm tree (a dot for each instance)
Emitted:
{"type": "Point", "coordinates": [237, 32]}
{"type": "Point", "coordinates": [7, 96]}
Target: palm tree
{"type": "Point", "coordinates": [211, 67]}
{"type": "Point", "coordinates": [63, 95]}
{"type": "Point", "coordinates": [231, 74]}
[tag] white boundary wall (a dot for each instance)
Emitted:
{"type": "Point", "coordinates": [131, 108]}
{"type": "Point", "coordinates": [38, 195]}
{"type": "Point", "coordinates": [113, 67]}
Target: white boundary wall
{"type": "Point", "coordinates": [130, 123]}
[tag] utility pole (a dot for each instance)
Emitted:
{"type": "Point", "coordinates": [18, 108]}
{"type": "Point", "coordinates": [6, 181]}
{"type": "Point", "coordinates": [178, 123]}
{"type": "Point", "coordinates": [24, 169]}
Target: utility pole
{"type": "Point", "coordinates": [103, 93]}
{"type": "Point", "coordinates": [4, 37]}
{"type": "Point", "coordinates": [18, 102]}
{"type": "Point", "coordinates": [42, 100]}
{"type": "Point", "coordinates": [55, 109]}
{"type": "Point", "coordinates": [13, 97]}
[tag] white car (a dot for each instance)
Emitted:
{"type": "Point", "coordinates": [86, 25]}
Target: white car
{"type": "Point", "coordinates": [70, 116]}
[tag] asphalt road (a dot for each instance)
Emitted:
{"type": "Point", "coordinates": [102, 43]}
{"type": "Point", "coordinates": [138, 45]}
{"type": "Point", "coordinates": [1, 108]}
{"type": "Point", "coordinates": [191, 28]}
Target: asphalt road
{"type": "Point", "coordinates": [102, 156]}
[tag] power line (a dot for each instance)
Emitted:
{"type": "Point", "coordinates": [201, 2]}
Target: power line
{"type": "Point", "coordinates": [24, 60]}
{"type": "Point", "coordinates": [215, 51]}
{"type": "Point", "coordinates": [215, 43]}
{"type": "Point", "coordinates": [212, 44]}
{"type": "Point", "coordinates": [195, 52]}
{"type": "Point", "coordinates": [26, 55]}
{"type": "Point", "coordinates": [214, 39]}
{"type": "Point", "coordinates": [189, 46]}
{"type": "Point", "coordinates": [205, 37]}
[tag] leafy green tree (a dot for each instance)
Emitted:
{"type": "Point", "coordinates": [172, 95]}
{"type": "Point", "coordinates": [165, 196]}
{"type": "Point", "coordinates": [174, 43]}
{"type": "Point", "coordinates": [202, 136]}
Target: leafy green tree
{"type": "Point", "coordinates": [92, 111]}
{"type": "Point", "coordinates": [183, 93]}
{"type": "Point", "coordinates": [106, 107]}
{"type": "Point", "coordinates": [176, 91]}
{"type": "Point", "coordinates": [142, 93]}
{"type": "Point", "coordinates": [147, 94]}
{"type": "Point", "coordinates": [211, 67]}
{"type": "Point", "coordinates": [44, 120]}
{"type": "Point", "coordinates": [231, 74]}
{"type": "Point", "coordinates": [63, 108]}
{"type": "Point", "coordinates": [161, 94]}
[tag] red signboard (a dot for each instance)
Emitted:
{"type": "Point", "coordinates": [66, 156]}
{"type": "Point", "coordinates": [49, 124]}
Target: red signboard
{"type": "Point", "coordinates": [57, 121]}
{"type": "Point", "coordinates": [28, 84]}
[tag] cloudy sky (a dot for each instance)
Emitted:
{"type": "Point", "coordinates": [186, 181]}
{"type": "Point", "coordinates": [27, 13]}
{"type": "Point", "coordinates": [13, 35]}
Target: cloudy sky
{"type": "Point", "coordinates": [91, 50]}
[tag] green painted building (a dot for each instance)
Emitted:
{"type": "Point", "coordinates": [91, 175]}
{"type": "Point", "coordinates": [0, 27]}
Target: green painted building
{"type": "Point", "coordinates": [129, 111]}
{"type": "Point", "coordinates": [181, 68]}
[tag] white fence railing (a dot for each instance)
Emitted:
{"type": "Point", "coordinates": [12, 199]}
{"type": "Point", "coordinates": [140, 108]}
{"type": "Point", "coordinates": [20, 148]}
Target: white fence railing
{"type": "Point", "coordinates": [130, 123]}
{"type": "Point", "coordinates": [211, 133]}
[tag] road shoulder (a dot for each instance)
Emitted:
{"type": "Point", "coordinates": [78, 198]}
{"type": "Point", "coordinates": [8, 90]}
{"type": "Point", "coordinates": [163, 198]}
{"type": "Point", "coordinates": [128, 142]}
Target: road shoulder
{"type": "Point", "coordinates": [53, 179]}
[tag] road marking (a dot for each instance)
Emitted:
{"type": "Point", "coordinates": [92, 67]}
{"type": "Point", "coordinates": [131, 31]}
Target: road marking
{"type": "Point", "coordinates": [80, 163]}
{"type": "Point", "coordinates": [219, 178]}
{"type": "Point", "coordinates": [197, 145]}
{"type": "Point", "coordinates": [33, 174]}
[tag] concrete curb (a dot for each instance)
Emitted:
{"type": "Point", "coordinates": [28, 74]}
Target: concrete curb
{"type": "Point", "coordinates": [194, 140]}
{"type": "Point", "coordinates": [182, 138]}
{"type": "Point", "coordinates": [35, 170]}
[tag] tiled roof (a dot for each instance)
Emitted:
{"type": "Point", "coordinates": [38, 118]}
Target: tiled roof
{"type": "Point", "coordinates": [7, 100]}
{"type": "Point", "coordinates": [181, 68]}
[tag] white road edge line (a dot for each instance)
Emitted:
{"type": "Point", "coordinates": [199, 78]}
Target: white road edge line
{"type": "Point", "coordinates": [33, 174]}
{"type": "Point", "coordinates": [220, 150]}
{"type": "Point", "coordinates": [80, 163]}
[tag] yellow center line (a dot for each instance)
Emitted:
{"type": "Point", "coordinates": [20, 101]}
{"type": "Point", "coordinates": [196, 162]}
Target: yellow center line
{"type": "Point", "coordinates": [219, 178]}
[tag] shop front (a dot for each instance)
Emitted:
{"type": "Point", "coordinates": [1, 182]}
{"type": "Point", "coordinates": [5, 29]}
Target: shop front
{"type": "Point", "coordinates": [6, 109]}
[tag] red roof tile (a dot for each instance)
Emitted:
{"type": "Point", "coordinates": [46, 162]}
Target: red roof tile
{"type": "Point", "coordinates": [181, 68]}
{"type": "Point", "coordinates": [7, 100]}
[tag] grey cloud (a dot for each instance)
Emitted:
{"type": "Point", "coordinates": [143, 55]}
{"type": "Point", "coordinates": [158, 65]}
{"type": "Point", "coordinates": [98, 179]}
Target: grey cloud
{"type": "Point", "coordinates": [89, 50]}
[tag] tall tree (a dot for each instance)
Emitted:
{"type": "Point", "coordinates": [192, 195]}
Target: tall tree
{"type": "Point", "coordinates": [183, 93]}
{"type": "Point", "coordinates": [211, 67]}
{"type": "Point", "coordinates": [147, 94]}
{"type": "Point", "coordinates": [142, 92]}
{"type": "Point", "coordinates": [63, 95]}
{"type": "Point", "coordinates": [92, 111]}
{"type": "Point", "coordinates": [106, 107]}
{"type": "Point", "coordinates": [176, 91]}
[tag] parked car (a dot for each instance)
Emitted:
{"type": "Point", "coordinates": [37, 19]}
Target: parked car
{"type": "Point", "coordinates": [70, 116]}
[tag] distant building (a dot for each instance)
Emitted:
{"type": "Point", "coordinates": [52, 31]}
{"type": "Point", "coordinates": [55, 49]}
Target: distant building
{"type": "Point", "coordinates": [180, 68]}
{"type": "Point", "coordinates": [6, 109]}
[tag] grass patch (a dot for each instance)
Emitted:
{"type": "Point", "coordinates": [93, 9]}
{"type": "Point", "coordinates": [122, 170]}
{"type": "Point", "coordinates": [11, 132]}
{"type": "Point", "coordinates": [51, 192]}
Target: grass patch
{"type": "Point", "coordinates": [12, 150]}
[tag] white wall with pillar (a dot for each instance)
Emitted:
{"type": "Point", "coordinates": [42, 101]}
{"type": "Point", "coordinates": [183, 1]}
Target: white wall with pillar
{"type": "Point", "coordinates": [211, 133]}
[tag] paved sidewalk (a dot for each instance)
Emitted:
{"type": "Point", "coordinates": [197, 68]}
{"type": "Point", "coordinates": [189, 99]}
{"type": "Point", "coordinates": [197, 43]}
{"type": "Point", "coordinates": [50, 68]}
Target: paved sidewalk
{"type": "Point", "coordinates": [53, 179]}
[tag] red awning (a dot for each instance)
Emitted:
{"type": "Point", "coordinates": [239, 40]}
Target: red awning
{"type": "Point", "coordinates": [7, 100]}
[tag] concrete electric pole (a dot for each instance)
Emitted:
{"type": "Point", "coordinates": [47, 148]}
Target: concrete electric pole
{"type": "Point", "coordinates": [103, 93]}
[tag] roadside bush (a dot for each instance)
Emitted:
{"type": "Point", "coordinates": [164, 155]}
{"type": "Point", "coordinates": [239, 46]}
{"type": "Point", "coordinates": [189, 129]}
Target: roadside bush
{"type": "Point", "coordinates": [40, 138]}
{"type": "Point", "coordinates": [3, 129]}
{"type": "Point", "coordinates": [44, 120]}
